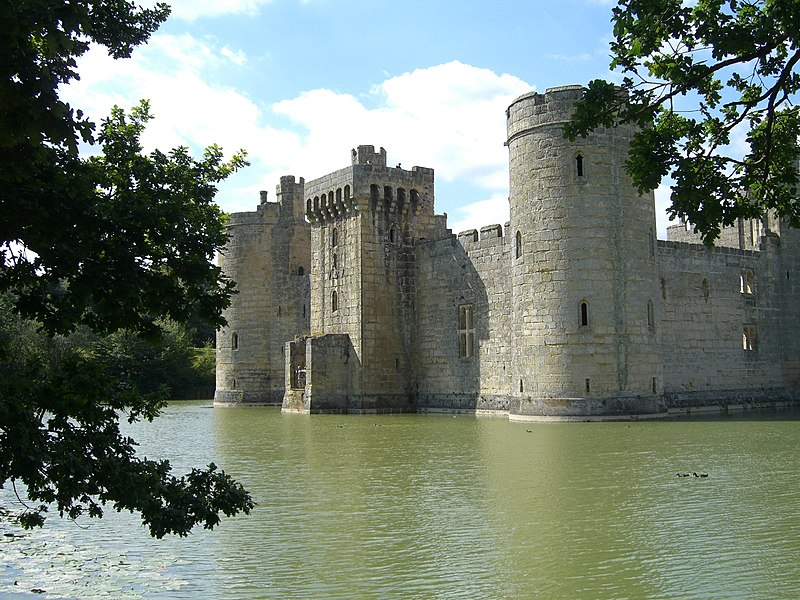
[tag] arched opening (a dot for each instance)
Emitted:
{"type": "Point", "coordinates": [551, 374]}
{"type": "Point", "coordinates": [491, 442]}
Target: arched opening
{"type": "Point", "coordinates": [584, 310]}
{"type": "Point", "coordinates": [749, 337]}
{"type": "Point", "coordinates": [334, 301]}
{"type": "Point", "coordinates": [579, 164]}
{"type": "Point", "coordinates": [651, 317]}
{"type": "Point", "coordinates": [518, 244]}
{"type": "Point", "coordinates": [747, 283]}
{"type": "Point", "coordinates": [301, 271]}
{"type": "Point", "coordinates": [235, 340]}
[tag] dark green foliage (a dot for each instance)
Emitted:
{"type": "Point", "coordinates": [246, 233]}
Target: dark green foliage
{"type": "Point", "coordinates": [66, 448]}
{"type": "Point", "coordinates": [170, 361]}
{"type": "Point", "coordinates": [735, 64]}
{"type": "Point", "coordinates": [114, 245]}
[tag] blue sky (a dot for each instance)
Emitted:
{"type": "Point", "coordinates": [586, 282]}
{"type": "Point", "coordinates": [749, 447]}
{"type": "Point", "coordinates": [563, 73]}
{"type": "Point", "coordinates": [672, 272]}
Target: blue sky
{"type": "Point", "coordinates": [298, 83]}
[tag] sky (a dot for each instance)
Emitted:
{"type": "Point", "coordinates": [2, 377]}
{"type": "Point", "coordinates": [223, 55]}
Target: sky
{"type": "Point", "coordinates": [299, 83]}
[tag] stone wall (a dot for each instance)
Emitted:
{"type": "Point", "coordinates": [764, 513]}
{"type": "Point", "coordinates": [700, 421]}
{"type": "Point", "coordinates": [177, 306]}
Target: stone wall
{"type": "Point", "coordinates": [744, 235]}
{"type": "Point", "coordinates": [268, 256]}
{"type": "Point", "coordinates": [572, 309]}
{"type": "Point", "coordinates": [708, 314]}
{"type": "Point", "coordinates": [462, 367]}
{"type": "Point", "coordinates": [330, 365]}
{"type": "Point", "coordinates": [583, 267]}
{"type": "Point", "coordinates": [365, 220]}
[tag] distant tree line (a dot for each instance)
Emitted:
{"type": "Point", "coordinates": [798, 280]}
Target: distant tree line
{"type": "Point", "coordinates": [176, 365]}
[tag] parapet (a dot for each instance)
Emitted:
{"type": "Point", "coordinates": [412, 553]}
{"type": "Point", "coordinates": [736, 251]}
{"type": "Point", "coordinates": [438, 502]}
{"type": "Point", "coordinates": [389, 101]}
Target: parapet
{"type": "Point", "coordinates": [489, 236]}
{"type": "Point", "coordinates": [491, 232]}
{"type": "Point", "coordinates": [533, 109]}
{"type": "Point", "coordinates": [290, 196]}
{"type": "Point", "coordinates": [368, 184]}
{"type": "Point", "coordinates": [366, 155]}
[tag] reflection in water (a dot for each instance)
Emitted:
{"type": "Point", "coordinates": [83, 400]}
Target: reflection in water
{"type": "Point", "coordinates": [407, 506]}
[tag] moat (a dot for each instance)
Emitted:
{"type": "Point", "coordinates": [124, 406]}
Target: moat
{"type": "Point", "coordinates": [423, 506]}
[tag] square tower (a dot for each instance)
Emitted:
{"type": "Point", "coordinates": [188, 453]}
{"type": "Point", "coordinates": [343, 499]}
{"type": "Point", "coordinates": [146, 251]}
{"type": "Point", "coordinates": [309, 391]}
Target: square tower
{"type": "Point", "coordinates": [365, 220]}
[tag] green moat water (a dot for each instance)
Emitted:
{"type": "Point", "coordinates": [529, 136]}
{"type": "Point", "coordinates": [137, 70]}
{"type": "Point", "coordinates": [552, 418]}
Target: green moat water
{"type": "Point", "coordinates": [442, 506]}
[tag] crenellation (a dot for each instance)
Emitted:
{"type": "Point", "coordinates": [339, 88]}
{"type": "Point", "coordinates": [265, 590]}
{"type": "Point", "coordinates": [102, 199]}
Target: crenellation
{"type": "Point", "coordinates": [356, 297]}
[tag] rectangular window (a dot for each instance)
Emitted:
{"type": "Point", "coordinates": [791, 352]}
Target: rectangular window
{"type": "Point", "coordinates": [466, 331]}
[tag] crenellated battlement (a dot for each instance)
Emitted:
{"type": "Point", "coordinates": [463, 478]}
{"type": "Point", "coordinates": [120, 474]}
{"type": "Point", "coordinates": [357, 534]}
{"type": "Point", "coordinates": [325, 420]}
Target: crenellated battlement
{"type": "Point", "coordinates": [533, 110]}
{"type": "Point", "coordinates": [366, 155]}
{"type": "Point", "coordinates": [369, 185]}
{"type": "Point", "coordinates": [489, 236]}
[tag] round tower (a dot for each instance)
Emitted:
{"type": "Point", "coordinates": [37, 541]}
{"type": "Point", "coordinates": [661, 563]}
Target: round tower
{"type": "Point", "coordinates": [242, 355]}
{"type": "Point", "coordinates": [268, 255]}
{"type": "Point", "coordinates": [586, 296]}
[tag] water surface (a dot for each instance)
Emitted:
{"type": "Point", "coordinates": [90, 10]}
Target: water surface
{"type": "Point", "coordinates": [442, 506]}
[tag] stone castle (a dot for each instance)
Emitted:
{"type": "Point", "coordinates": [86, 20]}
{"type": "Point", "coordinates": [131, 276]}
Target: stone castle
{"type": "Point", "coordinates": [354, 296]}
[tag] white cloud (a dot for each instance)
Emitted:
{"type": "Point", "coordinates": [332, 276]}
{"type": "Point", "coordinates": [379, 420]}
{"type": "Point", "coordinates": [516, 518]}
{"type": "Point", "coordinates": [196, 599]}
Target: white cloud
{"type": "Point", "coordinates": [169, 72]}
{"type": "Point", "coordinates": [453, 117]}
{"type": "Point", "coordinates": [449, 117]}
{"type": "Point", "coordinates": [237, 57]}
{"type": "Point", "coordinates": [478, 214]}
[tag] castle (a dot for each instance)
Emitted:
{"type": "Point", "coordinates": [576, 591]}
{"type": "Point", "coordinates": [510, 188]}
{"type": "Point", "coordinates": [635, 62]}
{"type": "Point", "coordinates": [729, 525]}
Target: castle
{"type": "Point", "coordinates": [355, 297]}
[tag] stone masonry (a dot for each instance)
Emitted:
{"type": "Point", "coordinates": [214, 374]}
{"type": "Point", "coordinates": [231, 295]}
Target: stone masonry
{"type": "Point", "coordinates": [355, 297]}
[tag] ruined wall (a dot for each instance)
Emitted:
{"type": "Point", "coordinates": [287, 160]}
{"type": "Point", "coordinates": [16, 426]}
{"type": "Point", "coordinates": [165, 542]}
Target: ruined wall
{"type": "Point", "coordinates": [464, 365]}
